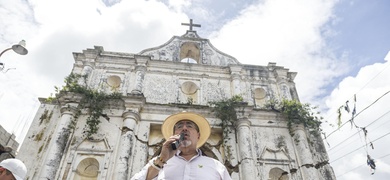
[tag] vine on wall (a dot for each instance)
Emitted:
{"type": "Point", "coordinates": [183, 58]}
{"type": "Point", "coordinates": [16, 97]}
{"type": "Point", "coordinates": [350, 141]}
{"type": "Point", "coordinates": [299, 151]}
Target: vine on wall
{"type": "Point", "coordinates": [93, 100]}
{"type": "Point", "coordinates": [298, 113]}
{"type": "Point", "coordinates": [225, 111]}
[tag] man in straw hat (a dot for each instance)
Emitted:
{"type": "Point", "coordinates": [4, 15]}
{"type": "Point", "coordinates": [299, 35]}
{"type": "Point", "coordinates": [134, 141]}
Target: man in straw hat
{"type": "Point", "coordinates": [11, 169]}
{"type": "Point", "coordinates": [186, 162]}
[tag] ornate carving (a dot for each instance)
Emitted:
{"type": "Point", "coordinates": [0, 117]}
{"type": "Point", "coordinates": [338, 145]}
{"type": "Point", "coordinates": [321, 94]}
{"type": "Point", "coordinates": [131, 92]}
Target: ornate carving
{"type": "Point", "coordinates": [213, 91]}
{"type": "Point", "coordinates": [160, 90]}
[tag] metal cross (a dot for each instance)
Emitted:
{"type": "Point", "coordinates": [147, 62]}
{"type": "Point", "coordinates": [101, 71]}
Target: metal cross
{"type": "Point", "coordinates": [190, 24]}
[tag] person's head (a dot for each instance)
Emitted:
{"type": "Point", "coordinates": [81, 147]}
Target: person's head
{"type": "Point", "coordinates": [12, 169]}
{"type": "Point", "coordinates": [195, 127]}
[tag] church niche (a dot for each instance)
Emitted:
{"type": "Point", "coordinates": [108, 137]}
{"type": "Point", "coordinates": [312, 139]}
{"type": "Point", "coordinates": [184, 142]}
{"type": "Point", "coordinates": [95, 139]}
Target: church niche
{"type": "Point", "coordinates": [189, 53]}
{"type": "Point", "coordinates": [114, 81]}
{"type": "Point", "coordinates": [260, 95]}
{"type": "Point", "coordinates": [87, 169]}
{"type": "Point", "coordinates": [190, 89]}
{"type": "Point", "coordinates": [277, 174]}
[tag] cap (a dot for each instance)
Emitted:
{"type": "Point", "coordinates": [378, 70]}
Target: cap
{"type": "Point", "coordinates": [16, 167]}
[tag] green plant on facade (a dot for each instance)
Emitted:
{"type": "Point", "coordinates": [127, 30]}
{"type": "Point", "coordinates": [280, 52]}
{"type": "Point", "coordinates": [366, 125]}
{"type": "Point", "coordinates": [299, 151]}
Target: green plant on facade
{"type": "Point", "coordinates": [94, 101]}
{"type": "Point", "coordinates": [225, 110]}
{"type": "Point", "coordinates": [298, 113]}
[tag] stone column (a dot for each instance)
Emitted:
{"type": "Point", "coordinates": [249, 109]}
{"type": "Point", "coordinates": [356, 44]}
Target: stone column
{"type": "Point", "coordinates": [140, 70]}
{"type": "Point", "coordinates": [235, 78]}
{"type": "Point", "coordinates": [58, 142]}
{"type": "Point", "coordinates": [306, 163]}
{"type": "Point", "coordinates": [244, 139]}
{"type": "Point", "coordinates": [130, 120]}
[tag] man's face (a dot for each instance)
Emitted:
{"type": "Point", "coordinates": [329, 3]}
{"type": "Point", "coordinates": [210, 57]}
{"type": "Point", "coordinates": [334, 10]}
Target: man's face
{"type": "Point", "coordinates": [191, 131]}
{"type": "Point", "coordinates": [6, 175]}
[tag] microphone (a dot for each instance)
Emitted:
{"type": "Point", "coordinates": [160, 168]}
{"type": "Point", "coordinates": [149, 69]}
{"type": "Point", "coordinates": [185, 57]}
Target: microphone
{"type": "Point", "coordinates": [176, 144]}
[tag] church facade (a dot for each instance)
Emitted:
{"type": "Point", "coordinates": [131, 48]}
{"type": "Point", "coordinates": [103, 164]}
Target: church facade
{"type": "Point", "coordinates": [184, 74]}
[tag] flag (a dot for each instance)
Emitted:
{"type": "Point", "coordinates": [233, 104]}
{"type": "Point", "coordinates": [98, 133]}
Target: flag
{"type": "Point", "coordinates": [346, 107]}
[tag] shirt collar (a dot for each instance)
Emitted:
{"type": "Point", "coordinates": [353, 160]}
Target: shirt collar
{"type": "Point", "coordinates": [197, 150]}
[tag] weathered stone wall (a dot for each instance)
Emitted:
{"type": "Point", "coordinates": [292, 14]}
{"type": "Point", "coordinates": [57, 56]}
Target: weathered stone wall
{"type": "Point", "coordinates": [8, 144]}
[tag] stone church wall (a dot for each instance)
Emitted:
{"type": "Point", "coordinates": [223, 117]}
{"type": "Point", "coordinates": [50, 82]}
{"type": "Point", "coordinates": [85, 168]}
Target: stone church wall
{"type": "Point", "coordinates": [259, 147]}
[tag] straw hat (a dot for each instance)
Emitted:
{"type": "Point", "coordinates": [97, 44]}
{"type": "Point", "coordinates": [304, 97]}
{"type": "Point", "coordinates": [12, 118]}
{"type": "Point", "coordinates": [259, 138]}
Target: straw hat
{"type": "Point", "coordinates": [200, 121]}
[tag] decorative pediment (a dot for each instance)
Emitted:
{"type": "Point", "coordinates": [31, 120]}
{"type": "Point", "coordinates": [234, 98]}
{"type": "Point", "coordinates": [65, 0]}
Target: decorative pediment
{"type": "Point", "coordinates": [276, 156]}
{"type": "Point", "coordinates": [94, 145]}
{"type": "Point", "coordinates": [190, 48]}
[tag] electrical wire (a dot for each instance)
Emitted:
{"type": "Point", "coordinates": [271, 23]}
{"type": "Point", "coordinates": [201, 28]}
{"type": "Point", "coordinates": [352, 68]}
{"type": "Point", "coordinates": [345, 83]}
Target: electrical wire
{"type": "Point", "coordinates": [358, 113]}
{"type": "Point", "coordinates": [360, 166]}
{"type": "Point", "coordinates": [359, 148]}
{"type": "Point", "coordinates": [364, 86]}
{"type": "Point", "coordinates": [358, 131]}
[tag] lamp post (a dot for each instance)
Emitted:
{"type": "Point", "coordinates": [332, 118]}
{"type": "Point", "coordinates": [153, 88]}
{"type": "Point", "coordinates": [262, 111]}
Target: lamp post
{"type": "Point", "coordinates": [18, 48]}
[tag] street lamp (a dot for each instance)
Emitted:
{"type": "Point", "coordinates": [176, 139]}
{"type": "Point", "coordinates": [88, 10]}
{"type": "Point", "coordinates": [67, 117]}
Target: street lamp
{"type": "Point", "coordinates": [18, 48]}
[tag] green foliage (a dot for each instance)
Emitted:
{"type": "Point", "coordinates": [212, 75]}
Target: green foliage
{"type": "Point", "coordinates": [94, 100]}
{"type": "Point", "coordinates": [298, 113]}
{"type": "Point", "coordinates": [225, 111]}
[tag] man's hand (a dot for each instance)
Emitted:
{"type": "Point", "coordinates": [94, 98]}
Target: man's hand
{"type": "Point", "coordinates": [166, 151]}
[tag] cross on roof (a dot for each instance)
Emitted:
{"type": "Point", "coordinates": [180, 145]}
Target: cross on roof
{"type": "Point", "coordinates": [190, 24]}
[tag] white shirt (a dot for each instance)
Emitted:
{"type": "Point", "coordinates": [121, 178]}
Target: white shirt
{"type": "Point", "coordinates": [197, 168]}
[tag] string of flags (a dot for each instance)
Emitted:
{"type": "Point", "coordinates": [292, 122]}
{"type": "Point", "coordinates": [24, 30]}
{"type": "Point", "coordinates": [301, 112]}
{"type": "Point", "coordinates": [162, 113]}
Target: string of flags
{"type": "Point", "coordinates": [370, 161]}
{"type": "Point", "coordinates": [346, 108]}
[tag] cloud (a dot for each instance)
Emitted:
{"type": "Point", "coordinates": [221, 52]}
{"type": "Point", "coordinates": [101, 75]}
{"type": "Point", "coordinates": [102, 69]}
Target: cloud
{"type": "Point", "coordinates": [291, 33]}
{"type": "Point", "coordinates": [371, 87]}
{"type": "Point", "coordinates": [288, 33]}
{"type": "Point", "coordinates": [55, 29]}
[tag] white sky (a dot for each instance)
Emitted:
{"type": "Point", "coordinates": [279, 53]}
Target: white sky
{"type": "Point", "coordinates": [337, 47]}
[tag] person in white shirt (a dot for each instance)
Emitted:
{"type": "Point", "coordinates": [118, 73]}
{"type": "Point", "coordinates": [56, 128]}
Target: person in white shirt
{"type": "Point", "coordinates": [187, 161]}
